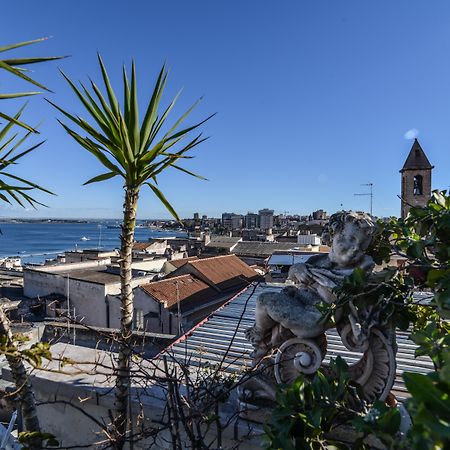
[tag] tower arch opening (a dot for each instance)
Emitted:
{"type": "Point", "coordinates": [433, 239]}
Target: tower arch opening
{"type": "Point", "coordinates": [418, 185]}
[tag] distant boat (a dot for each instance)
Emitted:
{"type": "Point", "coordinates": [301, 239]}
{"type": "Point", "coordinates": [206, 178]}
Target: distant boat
{"type": "Point", "coordinates": [84, 238]}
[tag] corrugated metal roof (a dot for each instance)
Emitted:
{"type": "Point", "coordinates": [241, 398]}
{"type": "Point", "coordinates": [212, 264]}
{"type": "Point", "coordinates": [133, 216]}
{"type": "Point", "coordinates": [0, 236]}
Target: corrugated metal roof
{"type": "Point", "coordinates": [261, 249]}
{"type": "Point", "coordinates": [221, 338]}
{"type": "Point", "coordinates": [287, 259]}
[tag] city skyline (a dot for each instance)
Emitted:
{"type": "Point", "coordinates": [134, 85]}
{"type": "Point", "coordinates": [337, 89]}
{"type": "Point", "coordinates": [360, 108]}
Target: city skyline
{"type": "Point", "coordinates": [312, 101]}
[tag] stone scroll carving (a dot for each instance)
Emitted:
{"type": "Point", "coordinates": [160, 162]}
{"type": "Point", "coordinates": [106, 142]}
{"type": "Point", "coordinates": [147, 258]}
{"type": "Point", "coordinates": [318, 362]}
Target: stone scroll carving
{"type": "Point", "coordinates": [288, 335]}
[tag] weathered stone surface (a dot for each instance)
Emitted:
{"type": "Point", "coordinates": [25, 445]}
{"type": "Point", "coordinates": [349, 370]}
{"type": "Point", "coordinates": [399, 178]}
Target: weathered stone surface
{"type": "Point", "coordinates": [289, 336]}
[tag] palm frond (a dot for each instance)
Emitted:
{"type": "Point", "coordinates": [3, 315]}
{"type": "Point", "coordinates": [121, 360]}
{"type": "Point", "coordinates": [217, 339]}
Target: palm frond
{"type": "Point", "coordinates": [14, 67]}
{"type": "Point", "coordinates": [9, 155]}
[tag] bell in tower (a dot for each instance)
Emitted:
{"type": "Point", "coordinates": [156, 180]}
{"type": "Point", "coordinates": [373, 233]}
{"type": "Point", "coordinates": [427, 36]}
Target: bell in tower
{"type": "Point", "coordinates": [416, 179]}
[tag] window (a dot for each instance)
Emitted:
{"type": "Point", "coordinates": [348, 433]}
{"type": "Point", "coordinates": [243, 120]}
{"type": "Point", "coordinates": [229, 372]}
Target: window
{"type": "Point", "coordinates": [418, 185]}
{"type": "Point", "coordinates": [138, 319]}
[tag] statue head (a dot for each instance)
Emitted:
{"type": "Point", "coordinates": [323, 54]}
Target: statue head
{"type": "Point", "coordinates": [349, 233]}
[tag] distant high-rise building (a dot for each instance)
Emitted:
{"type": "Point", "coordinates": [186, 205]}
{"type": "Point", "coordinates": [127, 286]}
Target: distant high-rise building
{"type": "Point", "coordinates": [196, 216]}
{"type": "Point", "coordinates": [251, 220]}
{"type": "Point", "coordinates": [265, 219]}
{"type": "Point", "coordinates": [237, 221]}
{"type": "Point", "coordinates": [204, 217]}
{"type": "Point", "coordinates": [232, 221]}
{"type": "Point", "coordinates": [416, 179]}
{"type": "Point", "coordinates": [226, 220]}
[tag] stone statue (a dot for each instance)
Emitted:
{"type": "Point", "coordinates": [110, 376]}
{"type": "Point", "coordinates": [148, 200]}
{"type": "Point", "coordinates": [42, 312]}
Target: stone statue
{"type": "Point", "coordinates": [289, 336]}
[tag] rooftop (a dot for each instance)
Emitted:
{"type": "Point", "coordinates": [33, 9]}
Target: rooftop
{"type": "Point", "coordinates": [221, 337]}
{"type": "Point", "coordinates": [224, 272]}
{"type": "Point", "coordinates": [93, 274]}
{"type": "Point", "coordinates": [181, 262]}
{"type": "Point", "coordinates": [287, 259]}
{"type": "Point", "coordinates": [98, 276]}
{"type": "Point", "coordinates": [261, 249]}
{"type": "Point", "coordinates": [185, 289]}
{"type": "Point", "coordinates": [416, 158]}
{"type": "Point", "coordinates": [227, 242]}
{"type": "Point", "coordinates": [141, 245]}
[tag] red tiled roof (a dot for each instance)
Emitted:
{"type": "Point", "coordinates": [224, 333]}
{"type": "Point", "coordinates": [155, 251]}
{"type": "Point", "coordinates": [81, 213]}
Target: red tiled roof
{"type": "Point", "coordinates": [225, 271]}
{"type": "Point", "coordinates": [141, 245]}
{"type": "Point", "coordinates": [189, 289]}
{"type": "Point", "coordinates": [181, 262]}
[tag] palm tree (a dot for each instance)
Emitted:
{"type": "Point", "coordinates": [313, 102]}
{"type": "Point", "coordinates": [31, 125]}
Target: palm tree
{"type": "Point", "coordinates": [138, 152]}
{"type": "Point", "coordinates": [15, 67]}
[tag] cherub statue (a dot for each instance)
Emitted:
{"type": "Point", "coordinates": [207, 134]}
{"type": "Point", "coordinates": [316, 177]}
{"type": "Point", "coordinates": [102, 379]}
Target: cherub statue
{"type": "Point", "coordinates": [294, 308]}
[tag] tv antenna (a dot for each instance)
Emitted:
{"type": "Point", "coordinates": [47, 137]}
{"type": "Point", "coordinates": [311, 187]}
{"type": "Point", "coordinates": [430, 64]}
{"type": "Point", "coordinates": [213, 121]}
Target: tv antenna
{"type": "Point", "coordinates": [368, 194]}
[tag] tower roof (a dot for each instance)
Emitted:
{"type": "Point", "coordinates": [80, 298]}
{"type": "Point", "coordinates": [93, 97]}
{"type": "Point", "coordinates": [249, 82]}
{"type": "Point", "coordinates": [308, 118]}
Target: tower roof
{"type": "Point", "coordinates": [416, 158]}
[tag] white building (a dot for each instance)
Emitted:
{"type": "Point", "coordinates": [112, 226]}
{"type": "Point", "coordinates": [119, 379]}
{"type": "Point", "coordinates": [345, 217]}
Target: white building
{"type": "Point", "coordinates": [308, 239]}
{"type": "Point", "coordinates": [84, 287]}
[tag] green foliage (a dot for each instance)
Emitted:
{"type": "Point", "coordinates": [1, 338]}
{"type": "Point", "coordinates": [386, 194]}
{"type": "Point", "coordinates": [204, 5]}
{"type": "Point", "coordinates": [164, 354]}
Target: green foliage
{"type": "Point", "coordinates": [10, 146]}
{"type": "Point", "coordinates": [29, 438]}
{"type": "Point", "coordinates": [429, 407]}
{"type": "Point", "coordinates": [381, 421]}
{"type": "Point", "coordinates": [37, 352]}
{"type": "Point", "coordinates": [137, 151]}
{"type": "Point", "coordinates": [32, 355]}
{"type": "Point", "coordinates": [310, 409]}
{"type": "Point", "coordinates": [382, 297]}
{"type": "Point", "coordinates": [10, 153]}
{"type": "Point", "coordinates": [15, 66]}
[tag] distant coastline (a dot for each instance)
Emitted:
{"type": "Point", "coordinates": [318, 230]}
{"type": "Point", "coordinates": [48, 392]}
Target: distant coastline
{"type": "Point", "coordinates": [6, 220]}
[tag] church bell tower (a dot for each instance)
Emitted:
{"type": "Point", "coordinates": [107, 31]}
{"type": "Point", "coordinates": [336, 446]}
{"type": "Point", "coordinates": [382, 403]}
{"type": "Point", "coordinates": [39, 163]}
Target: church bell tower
{"type": "Point", "coordinates": [416, 179]}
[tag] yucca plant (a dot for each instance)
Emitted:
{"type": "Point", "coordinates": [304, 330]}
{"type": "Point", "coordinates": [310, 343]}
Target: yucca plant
{"type": "Point", "coordinates": [15, 66]}
{"type": "Point", "coordinates": [10, 153]}
{"type": "Point", "coordinates": [137, 152]}
{"type": "Point", "coordinates": [14, 189]}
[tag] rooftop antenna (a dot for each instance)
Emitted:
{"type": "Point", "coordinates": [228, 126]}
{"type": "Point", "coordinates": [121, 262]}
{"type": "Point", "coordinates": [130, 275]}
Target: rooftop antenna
{"type": "Point", "coordinates": [369, 194]}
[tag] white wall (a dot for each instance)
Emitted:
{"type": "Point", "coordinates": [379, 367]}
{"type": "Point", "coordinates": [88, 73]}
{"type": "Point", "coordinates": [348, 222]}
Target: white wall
{"type": "Point", "coordinates": [87, 298]}
{"type": "Point", "coordinates": [151, 265]}
{"type": "Point", "coordinates": [147, 304]}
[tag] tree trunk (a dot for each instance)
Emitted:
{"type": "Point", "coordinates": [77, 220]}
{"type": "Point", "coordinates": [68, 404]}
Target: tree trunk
{"type": "Point", "coordinates": [23, 384]}
{"type": "Point", "coordinates": [123, 379]}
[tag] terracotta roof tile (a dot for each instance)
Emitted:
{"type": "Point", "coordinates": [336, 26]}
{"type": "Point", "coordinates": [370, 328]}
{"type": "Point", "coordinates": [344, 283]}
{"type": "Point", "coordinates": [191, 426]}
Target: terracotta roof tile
{"type": "Point", "coordinates": [190, 289]}
{"type": "Point", "coordinates": [141, 245]}
{"type": "Point", "coordinates": [181, 262]}
{"type": "Point", "coordinates": [224, 271]}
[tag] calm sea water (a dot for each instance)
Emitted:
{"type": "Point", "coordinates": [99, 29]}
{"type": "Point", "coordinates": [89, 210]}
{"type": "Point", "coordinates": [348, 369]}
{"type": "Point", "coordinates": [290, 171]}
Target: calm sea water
{"type": "Point", "coordinates": [36, 242]}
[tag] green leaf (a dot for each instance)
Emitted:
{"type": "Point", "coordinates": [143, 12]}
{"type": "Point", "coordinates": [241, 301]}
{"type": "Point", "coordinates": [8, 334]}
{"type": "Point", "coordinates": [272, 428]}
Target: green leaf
{"type": "Point", "coordinates": [102, 177]}
{"type": "Point", "coordinates": [164, 201]}
{"type": "Point", "coordinates": [424, 390]}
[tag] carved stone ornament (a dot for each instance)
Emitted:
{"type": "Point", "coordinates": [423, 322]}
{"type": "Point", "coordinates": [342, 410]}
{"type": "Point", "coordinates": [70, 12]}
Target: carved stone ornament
{"type": "Point", "coordinates": [289, 336]}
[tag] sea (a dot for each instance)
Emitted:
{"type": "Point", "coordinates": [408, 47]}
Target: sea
{"type": "Point", "coordinates": [35, 242]}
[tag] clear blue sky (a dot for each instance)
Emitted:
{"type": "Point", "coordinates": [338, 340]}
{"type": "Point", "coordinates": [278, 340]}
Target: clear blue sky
{"type": "Point", "coordinates": [313, 98]}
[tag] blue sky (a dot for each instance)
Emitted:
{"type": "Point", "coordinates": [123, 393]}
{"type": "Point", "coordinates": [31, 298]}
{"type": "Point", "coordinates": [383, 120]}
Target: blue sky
{"type": "Point", "coordinates": [313, 98]}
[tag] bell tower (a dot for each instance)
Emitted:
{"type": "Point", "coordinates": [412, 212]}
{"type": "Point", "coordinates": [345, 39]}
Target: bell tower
{"type": "Point", "coordinates": [416, 179]}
